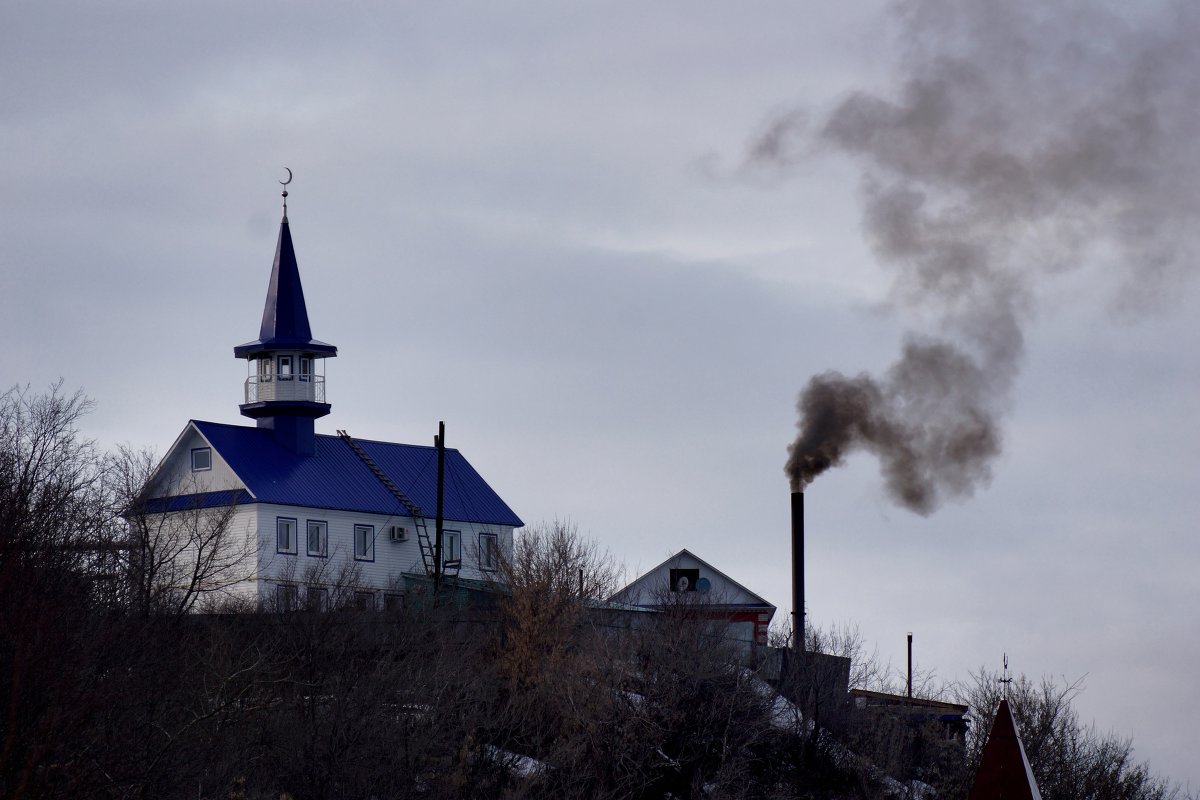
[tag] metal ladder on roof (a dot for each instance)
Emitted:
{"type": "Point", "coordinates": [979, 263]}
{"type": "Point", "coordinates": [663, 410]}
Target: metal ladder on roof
{"type": "Point", "coordinates": [424, 542]}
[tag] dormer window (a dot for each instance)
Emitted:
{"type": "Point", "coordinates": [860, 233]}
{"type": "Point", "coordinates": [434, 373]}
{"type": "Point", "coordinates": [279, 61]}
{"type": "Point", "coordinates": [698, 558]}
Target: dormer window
{"type": "Point", "coordinates": [201, 459]}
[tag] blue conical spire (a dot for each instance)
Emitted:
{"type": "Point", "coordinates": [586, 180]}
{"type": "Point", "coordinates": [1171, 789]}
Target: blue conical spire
{"type": "Point", "coordinates": [285, 316]}
{"type": "Point", "coordinates": [284, 392]}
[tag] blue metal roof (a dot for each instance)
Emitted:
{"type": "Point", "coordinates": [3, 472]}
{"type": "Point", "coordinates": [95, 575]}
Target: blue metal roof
{"type": "Point", "coordinates": [285, 316]}
{"type": "Point", "coordinates": [335, 477]}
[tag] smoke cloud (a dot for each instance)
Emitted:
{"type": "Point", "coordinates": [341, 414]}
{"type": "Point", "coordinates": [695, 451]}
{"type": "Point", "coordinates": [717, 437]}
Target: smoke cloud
{"type": "Point", "coordinates": [1019, 140]}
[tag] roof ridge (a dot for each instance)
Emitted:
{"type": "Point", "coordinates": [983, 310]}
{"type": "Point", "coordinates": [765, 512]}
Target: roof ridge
{"type": "Point", "coordinates": [390, 444]}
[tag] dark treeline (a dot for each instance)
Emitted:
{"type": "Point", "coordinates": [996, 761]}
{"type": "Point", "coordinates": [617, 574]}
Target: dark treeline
{"type": "Point", "coordinates": [112, 686]}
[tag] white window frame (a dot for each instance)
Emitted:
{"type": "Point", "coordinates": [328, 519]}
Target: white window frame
{"type": "Point", "coordinates": [286, 596]}
{"type": "Point", "coordinates": [316, 598]}
{"type": "Point", "coordinates": [451, 546]}
{"type": "Point", "coordinates": [207, 454]}
{"type": "Point", "coordinates": [292, 526]}
{"type": "Point", "coordinates": [364, 548]}
{"type": "Point", "coordinates": [284, 368]}
{"type": "Point", "coordinates": [489, 552]}
{"type": "Point", "coordinates": [322, 527]}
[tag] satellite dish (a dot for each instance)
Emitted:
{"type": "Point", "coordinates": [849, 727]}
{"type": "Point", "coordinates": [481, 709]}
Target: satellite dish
{"type": "Point", "coordinates": [703, 586]}
{"type": "Point", "coordinates": [682, 584]}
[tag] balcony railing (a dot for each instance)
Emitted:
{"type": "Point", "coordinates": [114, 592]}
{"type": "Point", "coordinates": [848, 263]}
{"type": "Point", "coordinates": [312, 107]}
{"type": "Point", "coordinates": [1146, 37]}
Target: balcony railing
{"type": "Point", "coordinates": [263, 390]}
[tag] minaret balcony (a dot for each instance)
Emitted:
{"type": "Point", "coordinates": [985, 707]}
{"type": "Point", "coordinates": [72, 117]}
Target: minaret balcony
{"type": "Point", "coordinates": [308, 388]}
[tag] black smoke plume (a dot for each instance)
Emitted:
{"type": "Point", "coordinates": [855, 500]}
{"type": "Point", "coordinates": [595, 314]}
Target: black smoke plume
{"type": "Point", "coordinates": [1019, 140]}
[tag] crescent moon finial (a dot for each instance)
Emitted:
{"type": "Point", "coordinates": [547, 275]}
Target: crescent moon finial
{"type": "Point", "coordinates": [284, 185]}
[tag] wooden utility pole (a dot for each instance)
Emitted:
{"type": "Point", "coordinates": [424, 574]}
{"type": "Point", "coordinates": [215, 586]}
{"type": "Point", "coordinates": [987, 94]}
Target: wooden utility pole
{"type": "Point", "coordinates": [439, 441]}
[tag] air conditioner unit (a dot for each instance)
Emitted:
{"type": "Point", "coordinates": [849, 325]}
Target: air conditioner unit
{"type": "Point", "coordinates": [397, 533]}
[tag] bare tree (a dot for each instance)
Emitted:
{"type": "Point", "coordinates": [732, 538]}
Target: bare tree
{"type": "Point", "coordinates": [51, 488]}
{"type": "Point", "coordinates": [552, 578]}
{"type": "Point", "coordinates": [1069, 759]}
{"type": "Point", "coordinates": [52, 514]}
{"type": "Point", "coordinates": [179, 544]}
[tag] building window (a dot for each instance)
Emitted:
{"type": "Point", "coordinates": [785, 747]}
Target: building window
{"type": "Point", "coordinates": [201, 459]}
{"type": "Point", "coordinates": [305, 368]}
{"type": "Point", "coordinates": [489, 551]}
{"type": "Point", "coordinates": [364, 601]}
{"type": "Point", "coordinates": [451, 547]}
{"type": "Point", "coordinates": [318, 538]}
{"type": "Point", "coordinates": [393, 602]}
{"type": "Point", "coordinates": [316, 599]}
{"type": "Point", "coordinates": [285, 535]}
{"type": "Point", "coordinates": [364, 542]}
{"type": "Point", "coordinates": [285, 597]}
{"type": "Point", "coordinates": [285, 368]}
{"type": "Point", "coordinates": [264, 369]}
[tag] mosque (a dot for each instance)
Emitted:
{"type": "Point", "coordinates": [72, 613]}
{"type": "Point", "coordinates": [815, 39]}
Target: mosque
{"type": "Point", "coordinates": [308, 519]}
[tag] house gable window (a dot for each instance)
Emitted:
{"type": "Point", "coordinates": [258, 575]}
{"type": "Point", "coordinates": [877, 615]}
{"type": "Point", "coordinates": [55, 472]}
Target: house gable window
{"type": "Point", "coordinates": [451, 547]}
{"type": "Point", "coordinates": [201, 459]}
{"type": "Point", "coordinates": [285, 535]}
{"type": "Point", "coordinates": [489, 552]}
{"type": "Point", "coordinates": [364, 542]}
{"type": "Point", "coordinates": [318, 538]}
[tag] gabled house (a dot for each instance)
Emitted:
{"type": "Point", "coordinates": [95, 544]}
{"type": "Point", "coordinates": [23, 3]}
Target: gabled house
{"type": "Point", "coordinates": [686, 578]}
{"type": "Point", "coordinates": [305, 513]}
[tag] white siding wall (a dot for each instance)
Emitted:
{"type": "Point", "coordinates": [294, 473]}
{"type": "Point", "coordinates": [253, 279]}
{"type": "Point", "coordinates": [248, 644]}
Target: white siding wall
{"type": "Point", "coordinates": [235, 570]}
{"type": "Point", "coordinates": [242, 537]}
{"type": "Point", "coordinates": [391, 559]}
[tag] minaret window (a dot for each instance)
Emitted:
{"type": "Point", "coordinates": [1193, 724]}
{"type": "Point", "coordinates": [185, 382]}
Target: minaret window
{"type": "Point", "coordinates": [285, 368]}
{"type": "Point", "coordinates": [264, 369]}
{"type": "Point", "coordinates": [305, 368]}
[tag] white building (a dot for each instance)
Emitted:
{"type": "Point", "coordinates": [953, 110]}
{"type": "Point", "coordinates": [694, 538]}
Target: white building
{"type": "Point", "coordinates": [311, 519]}
{"type": "Point", "coordinates": [685, 577]}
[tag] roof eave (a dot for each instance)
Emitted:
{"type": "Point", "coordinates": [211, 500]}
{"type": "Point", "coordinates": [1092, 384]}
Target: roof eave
{"type": "Point", "coordinates": [311, 346]}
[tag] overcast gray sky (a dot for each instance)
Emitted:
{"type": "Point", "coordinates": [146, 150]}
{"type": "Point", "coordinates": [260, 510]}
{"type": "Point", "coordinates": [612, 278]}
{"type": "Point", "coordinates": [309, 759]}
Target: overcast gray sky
{"type": "Point", "coordinates": [609, 244]}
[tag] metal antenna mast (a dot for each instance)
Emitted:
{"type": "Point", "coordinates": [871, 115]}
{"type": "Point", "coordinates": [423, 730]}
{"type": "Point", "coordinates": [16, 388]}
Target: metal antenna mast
{"type": "Point", "coordinates": [1006, 679]}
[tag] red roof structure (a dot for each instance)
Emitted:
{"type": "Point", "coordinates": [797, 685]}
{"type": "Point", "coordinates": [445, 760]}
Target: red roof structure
{"type": "Point", "coordinates": [1004, 772]}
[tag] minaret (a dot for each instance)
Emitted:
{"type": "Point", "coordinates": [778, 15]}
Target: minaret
{"type": "Point", "coordinates": [284, 391]}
